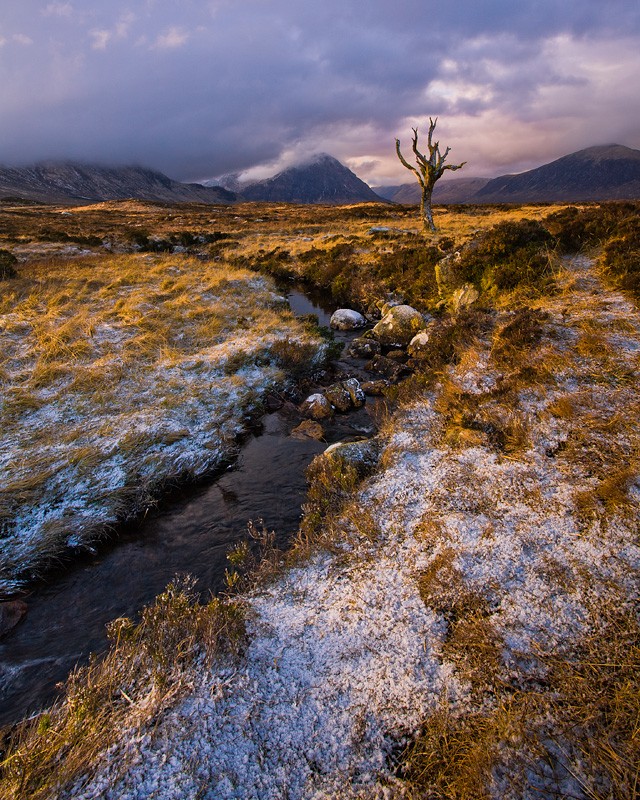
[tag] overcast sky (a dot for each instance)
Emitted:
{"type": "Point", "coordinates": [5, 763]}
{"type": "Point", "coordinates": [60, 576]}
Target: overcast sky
{"type": "Point", "coordinates": [197, 88]}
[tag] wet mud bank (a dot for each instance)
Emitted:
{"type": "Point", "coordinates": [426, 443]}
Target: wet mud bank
{"type": "Point", "coordinates": [190, 533]}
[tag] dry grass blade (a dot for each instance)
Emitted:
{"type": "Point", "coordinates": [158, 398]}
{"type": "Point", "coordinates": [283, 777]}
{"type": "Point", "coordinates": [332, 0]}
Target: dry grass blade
{"type": "Point", "coordinates": [146, 670]}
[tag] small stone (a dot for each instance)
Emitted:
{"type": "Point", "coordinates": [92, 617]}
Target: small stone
{"type": "Point", "coordinates": [11, 612]}
{"type": "Point", "coordinates": [464, 297]}
{"type": "Point", "coordinates": [316, 406]}
{"type": "Point", "coordinates": [364, 348]}
{"type": "Point", "coordinates": [309, 429]}
{"type": "Point", "coordinates": [397, 355]}
{"type": "Point", "coordinates": [419, 342]}
{"type": "Point", "coordinates": [352, 385]}
{"type": "Point", "coordinates": [345, 319]}
{"type": "Point", "coordinates": [273, 403]}
{"type": "Point", "coordinates": [433, 345]}
{"type": "Point", "coordinates": [398, 327]}
{"type": "Point", "coordinates": [374, 388]}
{"type": "Point", "coordinates": [339, 397]}
{"type": "Point", "coordinates": [386, 367]}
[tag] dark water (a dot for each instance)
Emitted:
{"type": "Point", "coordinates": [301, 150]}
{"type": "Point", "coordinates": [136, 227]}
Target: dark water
{"type": "Point", "coordinates": [66, 618]}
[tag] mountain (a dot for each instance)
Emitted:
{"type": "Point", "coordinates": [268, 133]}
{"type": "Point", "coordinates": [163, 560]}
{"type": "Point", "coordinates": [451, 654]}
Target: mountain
{"type": "Point", "coordinates": [606, 172]}
{"type": "Point", "coordinates": [455, 190]}
{"type": "Point", "coordinates": [67, 182]}
{"type": "Point", "coordinates": [230, 181]}
{"type": "Point", "coordinates": [322, 180]}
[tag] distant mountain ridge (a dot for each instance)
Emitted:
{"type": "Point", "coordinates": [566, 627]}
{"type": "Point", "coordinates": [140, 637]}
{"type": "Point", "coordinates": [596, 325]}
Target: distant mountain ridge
{"type": "Point", "coordinates": [69, 182]}
{"type": "Point", "coordinates": [322, 180]}
{"type": "Point", "coordinates": [603, 172]}
{"type": "Point", "coordinates": [454, 190]}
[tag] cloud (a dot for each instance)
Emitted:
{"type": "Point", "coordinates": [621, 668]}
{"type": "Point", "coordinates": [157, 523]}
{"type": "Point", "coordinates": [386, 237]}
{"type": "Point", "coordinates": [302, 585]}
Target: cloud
{"type": "Point", "coordinates": [21, 38]}
{"type": "Point", "coordinates": [101, 39]}
{"type": "Point", "coordinates": [171, 39]}
{"type": "Point", "coordinates": [57, 10]}
{"type": "Point", "coordinates": [120, 30]}
{"type": "Point", "coordinates": [258, 85]}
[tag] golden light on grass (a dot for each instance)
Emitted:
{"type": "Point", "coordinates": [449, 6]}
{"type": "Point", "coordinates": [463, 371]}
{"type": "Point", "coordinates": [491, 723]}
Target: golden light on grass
{"type": "Point", "coordinates": [108, 360]}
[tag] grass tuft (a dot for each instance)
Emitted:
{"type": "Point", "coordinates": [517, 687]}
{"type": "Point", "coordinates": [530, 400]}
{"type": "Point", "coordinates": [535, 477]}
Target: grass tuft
{"type": "Point", "coordinates": [147, 669]}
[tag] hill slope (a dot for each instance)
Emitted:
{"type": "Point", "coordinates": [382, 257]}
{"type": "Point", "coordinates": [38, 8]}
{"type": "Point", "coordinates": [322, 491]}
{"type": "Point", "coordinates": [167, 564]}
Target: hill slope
{"type": "Point", "coordinates": [322, 180]}
{"type": "Point", "coordinates": [67, 182]}
{"type": "Point", "coordinates": [456, 190]}
{"type": "Point", "coordinates": [606, 172]}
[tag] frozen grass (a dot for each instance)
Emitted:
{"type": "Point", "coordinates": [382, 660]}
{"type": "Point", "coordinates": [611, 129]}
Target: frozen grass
{"type": "Point", "coordinates": [122, 375]}
{"type": "Point", "coordinates": [462, 601]}
{"type": "Point", "coordinates": [459, 624]}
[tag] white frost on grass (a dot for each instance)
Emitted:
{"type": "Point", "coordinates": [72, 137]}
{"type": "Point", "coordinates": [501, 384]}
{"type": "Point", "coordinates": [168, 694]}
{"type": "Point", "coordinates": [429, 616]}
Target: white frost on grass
{"type": "Point", "coordinates": [346, 658]}
{"type": "Point", "coordinates": [340, 667]}
{"type": "Point", "coordinates": [91, 440]}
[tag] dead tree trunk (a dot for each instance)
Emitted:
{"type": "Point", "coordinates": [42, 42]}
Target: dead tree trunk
{"type": "Point", "coordinates": [428, 170]}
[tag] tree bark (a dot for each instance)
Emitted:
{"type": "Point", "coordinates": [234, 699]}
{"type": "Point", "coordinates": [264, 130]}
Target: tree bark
{"type": "Point", "coordinates": [426, 214]}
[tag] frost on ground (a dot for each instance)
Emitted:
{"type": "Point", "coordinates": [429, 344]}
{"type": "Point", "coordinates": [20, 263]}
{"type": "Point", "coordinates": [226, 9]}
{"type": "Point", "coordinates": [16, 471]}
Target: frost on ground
{"type": "Point", "coordinates": [121, 375]}
{"type": "Point", "coordinates": [498, 530]}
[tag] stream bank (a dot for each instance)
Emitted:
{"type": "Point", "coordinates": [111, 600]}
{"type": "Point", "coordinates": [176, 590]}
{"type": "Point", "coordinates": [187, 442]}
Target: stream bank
{"type": "Point", "coordinates": [192, 533]}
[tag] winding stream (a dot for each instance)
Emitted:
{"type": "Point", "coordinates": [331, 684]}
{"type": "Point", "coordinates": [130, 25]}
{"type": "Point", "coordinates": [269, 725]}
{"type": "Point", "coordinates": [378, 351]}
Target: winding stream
{"type": "Point", "coordinates": [192, 533]}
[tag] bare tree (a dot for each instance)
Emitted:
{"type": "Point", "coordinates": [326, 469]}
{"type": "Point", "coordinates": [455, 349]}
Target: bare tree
{"type": "Point", "coordinates": [428, 171]}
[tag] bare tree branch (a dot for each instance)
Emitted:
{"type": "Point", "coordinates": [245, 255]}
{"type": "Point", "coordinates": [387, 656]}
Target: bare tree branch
{"type": "Point", "coordinates": [429, 170]}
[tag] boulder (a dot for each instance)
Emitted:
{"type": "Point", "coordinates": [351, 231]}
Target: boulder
{"type": "Point", "coordinates": [362, 455]}
{"type": "Point", "coordinates": [364, 348]}
{"type": "Point", "coordinates": [345, 319]}
{"type": "Point", "coordinates": [464, 297]}
{"type": "Point", "coordinates": [352, 385]}
{"type": "Point", "coordinates": [374, 388]}
{"type": "Point", "coordinates": [391, 301]}
{"type": "Point", "coordinates": [339, 397]}
{"type": "Point", "coordinates": [398, 327]}
{"type": "Point", "coordinates": [316, 406]}
{"type": "Point", "coordinates": [309, 429]}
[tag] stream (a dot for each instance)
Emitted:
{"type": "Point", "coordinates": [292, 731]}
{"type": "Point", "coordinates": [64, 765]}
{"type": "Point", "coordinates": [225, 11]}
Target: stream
{"type": "Point", "coordinates": [190, 533]}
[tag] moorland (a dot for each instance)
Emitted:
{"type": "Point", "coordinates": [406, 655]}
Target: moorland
{"type": "Point", "coordinates": [457, 616]}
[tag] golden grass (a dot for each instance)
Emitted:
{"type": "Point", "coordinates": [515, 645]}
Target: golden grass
{"type": "Point", "coordinates": [584, 722]}
{"type": "Point", "coordinates": [583, 728]}
{"type": "Point", "coordinates": [148, 668]}
{"type": "Point", "coordinates": [121, 353]}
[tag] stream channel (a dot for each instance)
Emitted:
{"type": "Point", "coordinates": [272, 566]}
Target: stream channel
{"type": "Point", "coordinates": [191, 533]}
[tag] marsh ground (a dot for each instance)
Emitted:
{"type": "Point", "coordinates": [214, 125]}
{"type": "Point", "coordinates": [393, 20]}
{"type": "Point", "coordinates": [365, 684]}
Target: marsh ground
{"type": "Point", "coordinates": [459, 618]}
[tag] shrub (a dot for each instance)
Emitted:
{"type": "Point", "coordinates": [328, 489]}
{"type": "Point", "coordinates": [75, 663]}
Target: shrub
{"type": "Point", "coordinates": [577, 228]}
{"type": "Point", "coordinates": [7, 262]}
{"type": "Point", "coordinates": [621, 257]}
{"type": "Point", "coordinates": [323, 267]}
{"type": "Point", "coordinates": [509, 255]}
